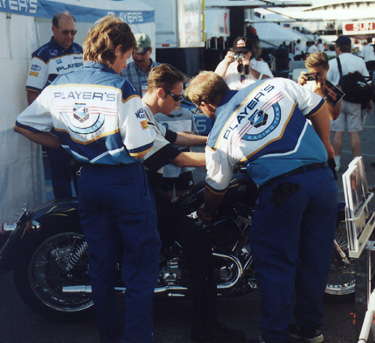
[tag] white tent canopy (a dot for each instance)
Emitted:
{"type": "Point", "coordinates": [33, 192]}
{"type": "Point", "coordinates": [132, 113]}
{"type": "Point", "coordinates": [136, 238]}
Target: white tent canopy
{"type": "Point", "coordinates": [24, 26]}
{"type": "Point", "coordinates": [275, 34]}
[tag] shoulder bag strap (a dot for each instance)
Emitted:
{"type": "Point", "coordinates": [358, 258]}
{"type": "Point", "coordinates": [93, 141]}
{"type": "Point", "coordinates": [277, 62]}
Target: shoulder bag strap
{"type": "Point", "coordinates": [339, 65]}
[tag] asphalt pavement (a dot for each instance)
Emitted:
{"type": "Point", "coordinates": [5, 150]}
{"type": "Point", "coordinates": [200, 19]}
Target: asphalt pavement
{"type": "Point", "coordinates": [172, 317]}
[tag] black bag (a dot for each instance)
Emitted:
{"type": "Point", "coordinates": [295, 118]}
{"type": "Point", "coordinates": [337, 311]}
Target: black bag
{"type": "Point", "coordinates": [358, 89]}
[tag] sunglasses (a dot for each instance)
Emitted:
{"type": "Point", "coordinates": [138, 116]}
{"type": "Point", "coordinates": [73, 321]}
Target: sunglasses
{"type": "Point", "coordinates": [174, 96]}
{"type": "Point", "coordinates": [66, 32]}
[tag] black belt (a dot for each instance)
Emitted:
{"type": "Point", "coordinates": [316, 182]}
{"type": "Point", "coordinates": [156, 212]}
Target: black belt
{"type": "Point", "coordinates": [301, 170]}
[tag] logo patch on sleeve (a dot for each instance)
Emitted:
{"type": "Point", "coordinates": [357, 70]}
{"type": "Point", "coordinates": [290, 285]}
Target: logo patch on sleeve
{"type": "Point", "coordinates": [33, 73]}
{"type": "Point", "coordinates": [144, 124]}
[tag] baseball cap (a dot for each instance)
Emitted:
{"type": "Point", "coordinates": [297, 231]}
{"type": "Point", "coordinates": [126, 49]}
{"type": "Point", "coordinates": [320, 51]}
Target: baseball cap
{"type": "Point", "coordinates": [143, 43]}
{"type": "Point", "coordinates": [242, 44]}
{"type": "Point", "coordinates": [343, 40]}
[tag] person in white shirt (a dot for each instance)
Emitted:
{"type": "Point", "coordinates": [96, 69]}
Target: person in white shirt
{"type": "Point", "coordinates": [350, 115]}
{"type": "Point", "coordinates": [298, 51]}
{"type": "Point", "coordinates": [367, 52]}
{"type": "Point", "coordinates": [239, 68]}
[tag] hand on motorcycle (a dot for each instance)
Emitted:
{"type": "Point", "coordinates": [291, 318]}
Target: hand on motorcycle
{"type": "Point", "coordinates": [203, 214]}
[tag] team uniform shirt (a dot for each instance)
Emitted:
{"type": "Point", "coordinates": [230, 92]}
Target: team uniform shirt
{"type": "Point", "coordinates": [96, 116]}
{"type": "Point", "coordinates": [233, 77]}
{"type": "Point", "coordinates": [163, 152]}
{"type": "Point", "coordinates": [51, 60]}
{"type": "Point", "coordinates": [263, 126]}
{"type": "Point", "coordinates": [137, 77]}
{"type": "Point", "coordinates": [349, 64]}
{"type": "Point", "coordinates": [177, 121]}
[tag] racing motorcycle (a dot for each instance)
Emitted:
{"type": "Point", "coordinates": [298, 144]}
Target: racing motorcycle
{"type": "Point", "coordinates": [47, 252]}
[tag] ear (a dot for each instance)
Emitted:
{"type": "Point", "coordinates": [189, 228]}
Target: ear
{"type": "Point", "coordinates": [160, 92]}
{"type": "Point", "coordinates": [150, 51]}
{"type": "Point", "coordinates": [118, 50]}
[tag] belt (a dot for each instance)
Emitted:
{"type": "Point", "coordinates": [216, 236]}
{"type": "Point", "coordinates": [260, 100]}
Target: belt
{"type": "Point", "coordinates": [301, 170]}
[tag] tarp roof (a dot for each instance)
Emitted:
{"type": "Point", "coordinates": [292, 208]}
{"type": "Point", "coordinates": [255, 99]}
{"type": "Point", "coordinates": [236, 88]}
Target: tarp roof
{"type": "Point", "coordinates": [87, 11]}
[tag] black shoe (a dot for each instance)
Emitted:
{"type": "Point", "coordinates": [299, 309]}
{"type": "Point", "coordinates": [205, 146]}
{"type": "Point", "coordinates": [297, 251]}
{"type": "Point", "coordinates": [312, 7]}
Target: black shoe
{"type": "Point", "coordinates": [257, 340]}
{"type": "Point", "coordinates": [216, 333]}
{"type": "Point", "coordinates": [372, 164]}
{"type": "Point", "coordinates": [311, 336]}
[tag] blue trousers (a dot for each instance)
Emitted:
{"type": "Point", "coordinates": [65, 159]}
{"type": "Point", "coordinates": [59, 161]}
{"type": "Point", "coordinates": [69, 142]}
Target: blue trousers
{"type": "Point", "coordinates": [120, 194]}
{"type": "Point", "coordinates": [62, 173]}
{"type": "Point", "coordinates": [292, 248]}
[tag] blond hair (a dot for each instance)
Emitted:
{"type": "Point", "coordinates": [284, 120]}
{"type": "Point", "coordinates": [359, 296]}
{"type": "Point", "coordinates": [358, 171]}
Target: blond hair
{"type": "Point", "coordinates": [317, 59]}
{"type": "Point", "coordinates": [207, 86]}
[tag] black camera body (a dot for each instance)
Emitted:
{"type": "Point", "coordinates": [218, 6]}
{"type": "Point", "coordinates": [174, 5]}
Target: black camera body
{"type": "Point", "coordinates": [311, 77]}
{"type": "Point", "coordinates": [238, 57]}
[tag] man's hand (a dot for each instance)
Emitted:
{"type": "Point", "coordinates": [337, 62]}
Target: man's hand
{"type": "Point", "coordinates": [203, 214]}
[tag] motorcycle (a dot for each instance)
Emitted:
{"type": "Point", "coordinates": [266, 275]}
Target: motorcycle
{"type": "Point", "coordinates": [47, 252]}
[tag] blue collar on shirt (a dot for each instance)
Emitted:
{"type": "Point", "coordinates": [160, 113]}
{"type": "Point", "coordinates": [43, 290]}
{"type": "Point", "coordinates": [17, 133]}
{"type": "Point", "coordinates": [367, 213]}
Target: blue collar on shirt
{"type": "Point", "coordinates": [229, 95]}
{"type": "Point", "coordinates": [58, 46]}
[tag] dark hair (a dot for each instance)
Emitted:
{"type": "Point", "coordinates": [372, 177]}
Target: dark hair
{"type": "Point", "coordinates": [58, 16]}
{"type": "Point", "coordinates": [101, 41]}
{"type": "Point", "coordinates": [164, 76]}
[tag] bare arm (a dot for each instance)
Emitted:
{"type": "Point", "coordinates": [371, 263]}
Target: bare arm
{"type": "Point", "coordinates": [43, 138]}
{"type": "Point", "coordinates": [190, 159]}
{"type": "Point", "coordinates": [321, 125]}
{"type": "Point", "coordinates": [188, 139]}
{"type": "Point", "coordinates": [222, 67]}
{"type": "Point", "coordinates": [31, 96]}
{"type": "Point", "coordinates": [211, 203]}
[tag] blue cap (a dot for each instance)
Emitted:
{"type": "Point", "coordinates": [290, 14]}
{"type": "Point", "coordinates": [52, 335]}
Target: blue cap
{"type": "Point", "coordinates": [343, 40]}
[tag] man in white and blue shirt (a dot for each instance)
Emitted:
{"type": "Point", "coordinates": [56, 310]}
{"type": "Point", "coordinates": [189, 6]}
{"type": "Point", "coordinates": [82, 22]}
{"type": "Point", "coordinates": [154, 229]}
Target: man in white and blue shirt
{"type": "Point", "coordinates": [264, 126]}
{"type": "Point", "coordinates": [59, 56]}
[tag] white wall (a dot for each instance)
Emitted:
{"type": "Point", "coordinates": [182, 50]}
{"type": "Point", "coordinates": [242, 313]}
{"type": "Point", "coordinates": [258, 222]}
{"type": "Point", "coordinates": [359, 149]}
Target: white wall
{"type": "Point", "coordinates": [21, 168]}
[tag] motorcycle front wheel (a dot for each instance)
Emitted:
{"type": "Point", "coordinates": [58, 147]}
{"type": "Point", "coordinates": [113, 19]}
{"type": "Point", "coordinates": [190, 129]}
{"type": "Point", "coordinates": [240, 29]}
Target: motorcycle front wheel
{"type": "Point", "coordinates": [341, 279]}
{"type": "Point", "coordinates": [41, 271]}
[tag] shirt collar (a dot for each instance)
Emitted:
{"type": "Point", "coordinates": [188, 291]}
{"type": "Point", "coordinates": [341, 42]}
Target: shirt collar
{"type": "Point", "coordinates": [229, 95]}
{"type": "Point", "coordinates": [99, 66]}
{"type": "Point", "coordinates": [58, 46]}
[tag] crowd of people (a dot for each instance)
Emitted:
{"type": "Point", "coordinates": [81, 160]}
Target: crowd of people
{"type": "Point", "coordinates": [134, 157]}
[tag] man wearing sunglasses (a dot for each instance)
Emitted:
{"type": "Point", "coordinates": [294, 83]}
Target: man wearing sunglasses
{"type": "Point", "coordinates": [137, 71]}
{"type": "Point", "coordinates": [59, 56]}
{"type": "Point", "coordinates": [165, 88]}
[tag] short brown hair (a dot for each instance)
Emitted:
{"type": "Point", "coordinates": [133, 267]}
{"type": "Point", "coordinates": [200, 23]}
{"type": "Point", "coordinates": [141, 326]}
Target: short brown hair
{"type": "Point", "coordinates": [317, 59]}
{"type": "Point", "coordinates": [164, 76]}
{"type": "Point", "coordinates": [207, 86]}
{"type": "Point", "coordinates": [101, 41]}
{"type": "Point", "coordinates": [345, 48]}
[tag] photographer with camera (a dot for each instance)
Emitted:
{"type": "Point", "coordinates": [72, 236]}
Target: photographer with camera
{"type": "Point", "coordinates": [317, 66]}
{"type": "Point", "coordinates": [239, 68]}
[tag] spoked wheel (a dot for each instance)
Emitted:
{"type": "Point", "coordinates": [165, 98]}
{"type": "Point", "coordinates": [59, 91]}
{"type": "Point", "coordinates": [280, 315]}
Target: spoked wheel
{"type": "Point", "coordinates": [49, 262]}
{"type": "Point", "coordinates": [341, 280]}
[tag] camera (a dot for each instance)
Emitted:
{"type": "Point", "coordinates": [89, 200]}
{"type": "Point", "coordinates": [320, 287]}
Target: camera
{"type": "Point", "coordinates": [238, 57]}
{"type": "Point", "coordinates": [311, 76]}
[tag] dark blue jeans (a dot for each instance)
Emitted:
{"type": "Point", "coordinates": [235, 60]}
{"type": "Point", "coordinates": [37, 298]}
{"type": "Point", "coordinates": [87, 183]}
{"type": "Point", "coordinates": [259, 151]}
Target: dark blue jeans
{"type": "Point", "coordinates": [120, 194]}
{"type": "Point", "coordinates": [62, 173]}
{"type": "Point", "coordinates": [292, 249]}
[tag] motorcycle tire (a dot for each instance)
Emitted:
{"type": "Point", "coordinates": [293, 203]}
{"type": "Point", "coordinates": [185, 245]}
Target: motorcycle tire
{"type": "Point", "coordinates": [341, 280]}
{"type": "Point", "coordinates": [40, 274]}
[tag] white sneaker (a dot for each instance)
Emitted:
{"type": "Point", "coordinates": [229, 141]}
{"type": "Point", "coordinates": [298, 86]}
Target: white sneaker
{"type": "Point", "coordinates": [337, 168]}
